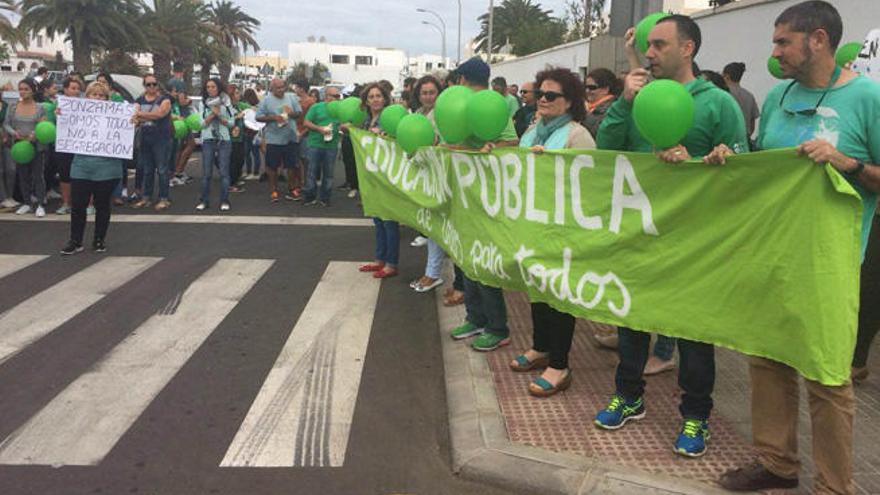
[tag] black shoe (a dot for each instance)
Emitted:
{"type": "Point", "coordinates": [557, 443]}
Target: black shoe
{"type": "Point", "coordinates": [71, 248]}
{"type": "Point", "coordinates": [99, 246]}
{"type": "Point", "coordinates": [754, 477]}
{"type": "Point", "coordinates": [344, 187]}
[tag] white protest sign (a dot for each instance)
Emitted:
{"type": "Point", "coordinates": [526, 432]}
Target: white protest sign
{"type": "Point", "coordinates": [868, 60]}
{"type": "Point", "coordinates": [95, 127]}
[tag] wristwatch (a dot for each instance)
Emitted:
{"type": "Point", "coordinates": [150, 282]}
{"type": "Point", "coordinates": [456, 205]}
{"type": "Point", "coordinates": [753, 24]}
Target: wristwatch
{"type": "Point", "coordinates": [860, 165]}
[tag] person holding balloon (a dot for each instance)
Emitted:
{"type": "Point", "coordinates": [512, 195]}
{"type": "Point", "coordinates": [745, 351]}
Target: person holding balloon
{"type": "Point", "coordinates": [678, 116]}
{"type": "Point", "coordinates": [20, 123]}
{"type": "Point", "coordinates": [561, 106]}
{"type": "Point", "coordinates": [323, 142]}
{"type": "Point", "coordinates": [93, 178]}
{"type": "Point", "coordinates": [828, 114]}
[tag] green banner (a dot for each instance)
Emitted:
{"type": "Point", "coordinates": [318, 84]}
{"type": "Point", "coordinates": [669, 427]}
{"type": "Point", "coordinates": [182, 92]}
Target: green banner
{"type": "Point", "coordinates": [761, 255]}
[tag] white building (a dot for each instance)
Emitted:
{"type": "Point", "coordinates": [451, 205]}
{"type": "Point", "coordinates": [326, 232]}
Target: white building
{"type": "Point", "coordinates": [350, 64]}
{"type": "Point", "coordinates": [39, 51]}
{"type": "Point", "coordinates": [428, 64]}
{"type": "Point", "coordinates": [686, 7]}
{"type": "Point", "coordinates": [574, 55]}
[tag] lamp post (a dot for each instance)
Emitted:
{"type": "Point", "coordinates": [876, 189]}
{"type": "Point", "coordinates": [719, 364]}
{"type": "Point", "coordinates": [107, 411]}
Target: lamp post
{"type": "Point", "coordinates": [491, 25]}
{"type": "Point", "coordinates": [442, 31]}
{"type": "Point", "coordinates": [442, 37]}
{"type": "Point", "coordinates": [458, 52]}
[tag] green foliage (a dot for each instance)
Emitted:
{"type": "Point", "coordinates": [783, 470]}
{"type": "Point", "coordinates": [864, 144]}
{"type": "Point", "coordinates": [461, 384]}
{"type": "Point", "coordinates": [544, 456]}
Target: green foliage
{"type": "Point", "coordinates": [525, 25]}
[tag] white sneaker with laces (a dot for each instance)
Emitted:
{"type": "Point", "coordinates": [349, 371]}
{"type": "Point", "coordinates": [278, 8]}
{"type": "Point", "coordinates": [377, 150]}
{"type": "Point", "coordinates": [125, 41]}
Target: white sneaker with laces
{"type": "Point", "coordinates": [419, 241]}
{"type": "Point", "coordinates": [23, 210]}
{"type": "Point", "coordinates": [41, 212]}
{"type": "Point", "coordinates": [201, 206]}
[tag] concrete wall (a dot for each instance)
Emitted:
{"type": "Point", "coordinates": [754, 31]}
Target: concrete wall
{"type": "Point", "coordinates": [387, 63]}
{"type": "Point", "coordinates": [743, 31]}
{"type": "Point", "coordinates": [575, 56]}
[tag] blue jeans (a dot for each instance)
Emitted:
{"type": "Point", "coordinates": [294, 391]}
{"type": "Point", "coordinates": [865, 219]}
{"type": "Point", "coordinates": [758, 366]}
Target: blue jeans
{"type": "Point", "coordinates": [215, 151]}
{"type": "Point", "coordinates": [696, 371]}
{"type": "Point", "coordinates": [251, 156]}
{"type": "Point", "coordinates": [664, 347]}
{"type": "Point", "coordinates": [154, 157]}
{"type": "Point", "coordinates": [322, 159]}
{"type": "Point", "coordinates": [435, 260]}
{"type": "Point", "coordinates": [387, 241]}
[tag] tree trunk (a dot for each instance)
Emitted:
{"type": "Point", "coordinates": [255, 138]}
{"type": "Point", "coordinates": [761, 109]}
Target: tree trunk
{"type": "Point", "coordinates": [225, 71]}
{"type": "Point", "coordinates": [588, 19]}
{"type": "Point", "coordinates": [185, 61]}
{"type": "Point", "coordinates": [162, 66]}
{"type": "Point", "coordinates": [206, 71]}
{"type": "Point", "coordinates": [82, 55]}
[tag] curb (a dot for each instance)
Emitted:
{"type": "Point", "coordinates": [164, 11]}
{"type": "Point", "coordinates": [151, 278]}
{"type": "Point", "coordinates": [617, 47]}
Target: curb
{"type": "Point", "coordinates": [482, 451]}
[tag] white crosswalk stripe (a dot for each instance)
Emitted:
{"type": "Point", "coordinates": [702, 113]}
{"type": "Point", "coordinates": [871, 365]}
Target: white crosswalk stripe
{"type": "Point", "coordinates": [11, 263]}
{"type": "Point", "coordinates": [302, 416]}
{"type": "Point", "coordinates": [83, 422]}
{"type": "Point", "coordinates": [29, 321]}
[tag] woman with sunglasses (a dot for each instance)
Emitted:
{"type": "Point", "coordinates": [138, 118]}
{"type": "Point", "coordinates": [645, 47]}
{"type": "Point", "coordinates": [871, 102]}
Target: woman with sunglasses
{"type": "Point", "coordinates": [92, 178]}
{"type": "Point", "coordinates": [153, 116]}
{"type": "Point", "coordinates": [603, 87]}
{"type": "Point", "coordinates": [560, 96]}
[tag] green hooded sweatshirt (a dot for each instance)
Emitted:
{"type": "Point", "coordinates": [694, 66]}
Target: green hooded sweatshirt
{"type": "Point", "coordinates": [717, 119]}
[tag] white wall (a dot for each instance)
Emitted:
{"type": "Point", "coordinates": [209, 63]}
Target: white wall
{"type": "Point", "coordinates": [574, 56]}
{"type": "Point", "coordinates": [743, 31]}
{"type": "Point", "coordinates": [387, 63]}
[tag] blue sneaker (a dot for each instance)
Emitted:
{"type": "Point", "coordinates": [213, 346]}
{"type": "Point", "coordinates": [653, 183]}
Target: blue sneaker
{"type": "Point", "coordinates": [691, 441]}
{"type": "Point", "coordinates": [618, 412]}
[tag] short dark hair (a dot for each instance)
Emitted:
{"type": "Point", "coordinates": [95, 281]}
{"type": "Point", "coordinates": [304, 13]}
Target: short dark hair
{"type": "Point", "coordinates": [687, 30]}
{"type": "Point", "coordinates": [42, 70]}
{"type": "Point", "coordinates": [734, 71]}
{"type": "Point", "coordinates": [409, 81]}
{"type": "Point", "coordinates": [807, 17]}
{"type": "Point", "coordinates": [606, 79]}
{"type": "Point", "coordinates": [70, 80]}
{"type": "Point", "coordinates": [106, 76]}
{"type": "Point", "coordinates": [715, 78]}
{"type": "Point", "coordinates": [499, 81]}
{"type": "Point", "coordinates": [304, 84]}
{"type": "Point", "coordinates": [572, 89]}
{"type": "Point", "coordinates": [250, 96]}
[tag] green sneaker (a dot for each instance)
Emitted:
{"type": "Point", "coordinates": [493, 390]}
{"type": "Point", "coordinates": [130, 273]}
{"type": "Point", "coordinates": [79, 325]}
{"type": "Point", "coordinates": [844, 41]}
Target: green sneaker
{"type": "Point", "coordinates": [489, 342]}
{"type": "Point", "coordinates": [465, 330]}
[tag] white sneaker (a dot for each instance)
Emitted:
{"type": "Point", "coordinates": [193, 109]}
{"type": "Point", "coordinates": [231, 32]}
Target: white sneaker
{"type": "Point", "coordinates": [174, 182]}
{"type": "Point", "coordinates": [41, 212]}
{"type": "Point", "coordinates": [353, 193]}
{"type": "Point", "coordinates": [9, 203]}
{"type": "Point", "coordinates": [419, 241]}
{"type": "Point", "coordinates": [124, 193]}
{"type": "Point", "coordinates": [201, 206]}
{"type": "Point", "coordinates": [225, 207]}
{"type": "Point", "coordinates": [24, 210]}
{"type": "Point", "coordinates": [52, 194]}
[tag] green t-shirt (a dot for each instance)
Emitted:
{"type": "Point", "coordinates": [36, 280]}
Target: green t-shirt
{"type": "Point", "coordinates": [319, 116]}
{"type": "Point", "coordinates": [512, 104]}
{"type": "Point", "coordinates": [239, 123]}
{"type": "Point", "coordinates": [847, 119]}
{"type": "Point", "coordinates": [717, 119]}
{"type": "Point", "coordinates": [508, 134]}
{"type": "Point", "coordinates": [96, 168]}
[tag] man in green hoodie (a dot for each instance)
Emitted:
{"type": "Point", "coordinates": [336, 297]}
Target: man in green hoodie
{"type": "Point", "coordinates": [672, 45]}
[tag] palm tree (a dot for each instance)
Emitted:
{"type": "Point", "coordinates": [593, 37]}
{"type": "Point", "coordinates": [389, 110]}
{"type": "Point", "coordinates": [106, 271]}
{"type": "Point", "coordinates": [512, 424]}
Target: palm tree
{"type": "Point", "coordinates": [523, 24]}
{"type": "Point", "coordinates": [87, 24]}
{"type": "Point", "coordinates": [172, 27]}
{"type": "Point", "coordinates": [8, 32]}
{"type": "Point", "coordinates": [234, 28]}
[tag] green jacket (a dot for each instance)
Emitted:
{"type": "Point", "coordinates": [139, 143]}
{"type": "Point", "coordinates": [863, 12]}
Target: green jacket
{"type": "Point", "coordinates": [717, 119]}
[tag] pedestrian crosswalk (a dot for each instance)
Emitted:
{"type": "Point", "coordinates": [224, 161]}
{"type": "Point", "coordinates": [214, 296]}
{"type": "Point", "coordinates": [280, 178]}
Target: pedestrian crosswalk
{"type": "Point", "coordinates": [302, 415]}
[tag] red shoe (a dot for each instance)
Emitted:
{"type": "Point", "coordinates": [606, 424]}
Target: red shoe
{"type": "Point", "coordinates": [385, 273]}
{"type": "Point", "coordinates": [371, 267]}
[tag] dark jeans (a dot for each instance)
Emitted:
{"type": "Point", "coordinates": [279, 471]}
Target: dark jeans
{"type": "Point", "coordinates": [348, 160]}
{"type": "Point", "coordinates": [696, 371]}
{"type": "Point", "coordinates": [321, 162]}
{"type": "Point", "coordinates": [31, 180]}
{"type": "Point", "coordinates": [81, 191]}
{"type": "Point", "coordinates": [458, 283]}
{"type": "Point", "coordinates": [485, 307]}
{"type": "Point", "coordinates": [50, 170]}
{"type": "Point", "coordinates": [236, 161]}
{"type": "Point", "coordinates": [387, 241]}
{"type": "Point", "coordinates": [552, 332]}
{"type": "Point", "coordinates": [869, 304]}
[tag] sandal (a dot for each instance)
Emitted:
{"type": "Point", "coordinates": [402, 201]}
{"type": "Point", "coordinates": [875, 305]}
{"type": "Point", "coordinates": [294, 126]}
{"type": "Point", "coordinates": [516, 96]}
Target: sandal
{"type": "Point", "coordinates": [385, 273]}
{"type": "Point", "coordinates": [454, 300]}
{"type": "Point", "coordinates": [543, 388]}
{"type": "Point", "coordinates": [425, 286]}
{"type": "Point", "coordinates": [521, 363]}
{"type": "Point", "coordinates": [371, 267]}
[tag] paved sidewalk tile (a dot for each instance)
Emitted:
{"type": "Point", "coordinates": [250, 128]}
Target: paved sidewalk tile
{"type": "Point", "coordinates": [563, 423]}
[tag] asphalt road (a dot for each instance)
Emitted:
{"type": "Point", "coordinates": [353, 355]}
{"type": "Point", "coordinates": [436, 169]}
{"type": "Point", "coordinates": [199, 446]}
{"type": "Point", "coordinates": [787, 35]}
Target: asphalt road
{"type": "Point", "coordinates": [65, 388]}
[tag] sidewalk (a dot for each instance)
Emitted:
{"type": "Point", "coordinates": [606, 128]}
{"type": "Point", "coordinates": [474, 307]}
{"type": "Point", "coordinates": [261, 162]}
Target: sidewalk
{"type": "Point", "coordinates": [502, 435]}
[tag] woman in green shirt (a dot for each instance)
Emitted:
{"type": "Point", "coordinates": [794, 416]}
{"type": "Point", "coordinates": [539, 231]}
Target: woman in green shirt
{"type": "Point", "coordinates": [92, 178]}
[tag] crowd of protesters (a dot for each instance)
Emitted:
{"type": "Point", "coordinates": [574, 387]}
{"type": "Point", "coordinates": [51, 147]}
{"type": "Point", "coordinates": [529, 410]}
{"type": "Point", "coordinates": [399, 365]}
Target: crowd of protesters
{"type": "Point", "coordinates": [289, 133]}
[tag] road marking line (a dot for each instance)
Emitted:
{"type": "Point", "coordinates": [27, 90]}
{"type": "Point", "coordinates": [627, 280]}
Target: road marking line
{"type": "Point", "coordinates": [302, 415]}
{"type": "Point", "coordinates": [83, 423]}
{"type": "Point", "coordinates": [39, 315]}
{"type": "Point", "coordinates": [11, 263]}
{"type": "Point", "coordinates": [213, 219]}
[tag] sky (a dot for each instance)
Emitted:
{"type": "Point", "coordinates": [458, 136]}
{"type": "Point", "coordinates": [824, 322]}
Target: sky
{"type": "Point", "coordinates": [383, 23]}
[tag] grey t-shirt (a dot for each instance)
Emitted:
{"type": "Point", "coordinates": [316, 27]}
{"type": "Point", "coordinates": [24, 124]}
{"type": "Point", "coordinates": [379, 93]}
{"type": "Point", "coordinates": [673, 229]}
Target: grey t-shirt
{"type": "Point", "coordinates": [748, 105]}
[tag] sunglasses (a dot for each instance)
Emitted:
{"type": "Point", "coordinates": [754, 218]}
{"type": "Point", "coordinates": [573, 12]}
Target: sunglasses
{"type": "Point", "coordinates": [151, 85]}
{"type": "Point", "coordinates": [809, 112]}
{"type": "Point", "coordinates": [525, 91]}
{"type": "Point", "coordinates": [591, 87]}
{"type": "Point", "coordinates": [547, 95]}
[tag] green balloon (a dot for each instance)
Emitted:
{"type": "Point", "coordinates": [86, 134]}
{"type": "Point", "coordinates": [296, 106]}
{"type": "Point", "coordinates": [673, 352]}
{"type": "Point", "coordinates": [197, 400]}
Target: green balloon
{"type": "Point", "coordinates": [450, 112]}
{"type": "Point", "coordinates": [350, 111]}
{"type": "Point", "coordinates": [390, 118]}
{"type": "Point", "coordinates": [45, 132]}
{"type": "Point", "coordinates": [414, 131]}
{"type": "Point", "coordinates": [663, 112]}
{"type": "Point", "coordinates": [333, 108]}
{"type": "Point", "coordinates": [49, 108]}
{"type": "Point", "coordinates": [847, 53]}
{"type": "Point", "coordinates": [774, 68]}
{"type": "Point", "coordinates": [180, 129]}
{"type": "Point", "coordinates": [116, 97]}
{"type": "Point", "coordinates": [644, 27]}
{"type": "Point", "coordinates": [487, 114]}
{"type": "Point", "coordinates": [22, 152]}
{"type": "Point", "coordinates": [194, 122]}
